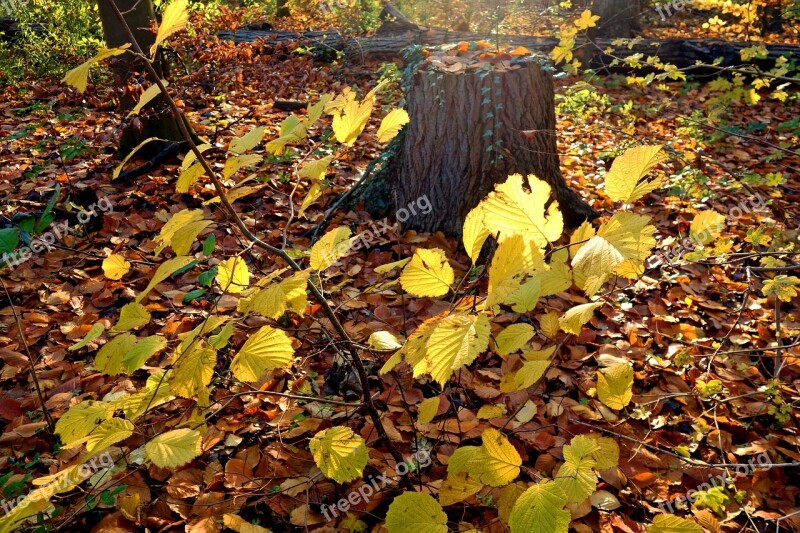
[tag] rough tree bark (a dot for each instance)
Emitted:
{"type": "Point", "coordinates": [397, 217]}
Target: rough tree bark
{"type": "Point", "coordinates": [155, 121]}
{"type": "Point", "coordinates": [465, 135]}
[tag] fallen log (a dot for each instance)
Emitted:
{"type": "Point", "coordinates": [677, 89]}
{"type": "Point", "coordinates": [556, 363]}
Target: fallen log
{"type": "Point", "coordinates": [683, 53]}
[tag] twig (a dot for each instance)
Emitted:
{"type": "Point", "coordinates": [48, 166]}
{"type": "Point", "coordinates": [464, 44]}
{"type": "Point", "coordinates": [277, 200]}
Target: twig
{"type": "Point", "coordinates": [50, 424]}
{"type": "Point", "coordinates": [184, 129]}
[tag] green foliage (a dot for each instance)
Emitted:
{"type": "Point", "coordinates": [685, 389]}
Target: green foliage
{"type": "Point", "coordinates": [55, 33]}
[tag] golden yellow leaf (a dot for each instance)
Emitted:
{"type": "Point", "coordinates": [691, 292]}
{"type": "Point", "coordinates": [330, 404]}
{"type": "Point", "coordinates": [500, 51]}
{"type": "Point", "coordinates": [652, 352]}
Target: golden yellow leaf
{"type": "Point", "coordinates": [428, 273]}
{"type": "Point", "coordinates": [115, 266]}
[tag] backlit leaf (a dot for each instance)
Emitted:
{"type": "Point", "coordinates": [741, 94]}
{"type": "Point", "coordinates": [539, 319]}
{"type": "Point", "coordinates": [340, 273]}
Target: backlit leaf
{"type": "Point", "coordinates": [514, 338]}
{"type": "Point", "coordinates": [474, 233]}
{"type": "Point", "coordinates": [173, 20]}
{"type": "Point", "coordinates": [115, 266]}
{"type": "Point", "coordinates": [669, 523]}
{"type": "Point", "coordinates": [95, 331]}
{"type": "Point", "coordinates": [131, 316]}
{"type": "Point", "coordinates": [265, 350]}
{"type": "Point", "coordinates": [623, 180]}
{"type": "Point", "coordinates": [416, 512]}
{"type": "Point", "coordinates": [233, 275]}
{"type": "Point", "coordinates": [391, 124]}
{"type": "Point", "coordinates": [147, 96]}
{"type": "Point", "coordinates": [339, 453]}
{"type": "Point", "coordinates": [174, 448]}
{"type": "Point", "coordinates": [574, 319]}
{"type": "Point", "coordinates": [240, 145]}
{"type": "Point", "coordinates": [333, 245]}
{"type": "Point", "coordinates": [427, 409]}
{"type": "Point", "coordinates": [615, 385]}
{"type": "Point", "coordinates": [165, 270]}
{"type": "Point", "coordinates": [540, 509]}
{"type": "Point", "coordinates": [706, 226]}
{"type": "Point", "coordinates": [427, 274]}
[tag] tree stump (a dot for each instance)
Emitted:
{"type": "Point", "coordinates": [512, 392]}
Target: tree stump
{"type": "Point", "coordinates": [472, 124]}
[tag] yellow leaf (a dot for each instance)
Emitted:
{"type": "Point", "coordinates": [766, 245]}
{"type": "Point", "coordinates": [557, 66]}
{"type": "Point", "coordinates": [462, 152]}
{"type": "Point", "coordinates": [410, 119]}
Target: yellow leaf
{"type": "Point", "coordinates": [527, 295]}
{"type": "Point", "coordinates": [240, 145]}
{"type": "Point", "coordinates": [495, 463]}
{"type": "Point", "coordinates": [487, 412]}
{"type": "Point", "coordinates": [132, 316]}
{"type": "Point", "coordinates": [579, 237]}
{"type": "Point", "coordinates": [190, 157]}
{"type": "Point", "coordinates": [334, 244]}
{"type": "Point", "coordinates": [235, 163]}
{"type": "Point", "coordinates": [391, 124]}
{"type": "Point", "coordinates": [428, 273]}
{"type": "Point", "coordinates": [416, 512]}
{"type": "Point", "coordinates": [427, 409]}
{"type": "Point", "coordinates": [509, 210]}
{"type": "Point", "coordinates": [586, 20]}
{"type": "Point", "coordinates": [535, 365]}
{"type": "Point", "coordinates": [508, 497]}
{"type": "Point", "coordinates": [507, 270]}
{"type": "Point", "coordinates": [290, 294]}
{"type": "Point", "coordinates": [174, 19]}
{"type": "Point", "coordinates": [669, 523]}
{"type": "Point", "coordinates": [349, 121]}
{"type": "Point", "coordinates": [615, 385]}
{"type": "Point", "coordinates": [267, 349]}
{"type": "Point", "coordinates": [633, 238]}
{"type": "Point", "coordinates": [383, 341]}
{"type": "Point", "coordinates": [147, 96]}
{"type": "Point", "coordinates": [233, 275]}
{"type": "Point", "coordinates": [188, 177]}
{"type": "Point", "coordinates": [165, 270]}
{"type": "Point", "coordinates": [95, 331]}
{"type": "Point", "coordinates": [574, 319]}
{"type": "Point", "coordinates": [706, 227]}
{"type": "Point", "coordinates": [79, 76]}
{"type": "Point", "coordinates": [388, 267]}
{"type": "Point", "coordinates": [783, 287]}
{"type": "Point", "coordinates": [623, 180]}
{"type": "Point", "coordinates": [174, 448]}
{"type": "Point", "coordinates": [549, 325]}
{"type": "Point", "coordinates": [597, 260]}
{"type": "Point", "coordinates": [540, 509]}
{"type": "Point", "coordinates": [115, 266]}
{"type": "Point", "coordinates": [339, 453]}
{"type": "Point", "coordinates": [576, 477]}
{"type": "Point", "coordinates": [81, 419]}
{"type": "Point", "coordinates": [193, 372]}
{"type": "Point", "coordinates": [177, 221]}
{"type": "Point", "coordinates": [108, 433]}
{"type": "Point", "coordinates": [240, 525]}
{"type": "Point", "coordinates": [474, 233]}
{"type": "Point", "coordinates": [314, 192]}
{"type": "Point", "coordinates": [315, 170]}
{"type": "Point", "coordinates": [514, 338]}
{"type": "Point", "coordinates": [457, 488]}
{"type": "Point", "coordinates": [439, 347]}
{"type": "Point", "coordinates": [607, 453]}
{"type": "Point", "coordinates": [109, 358]}
{"type": "Point", "coordinates": [143, 350]}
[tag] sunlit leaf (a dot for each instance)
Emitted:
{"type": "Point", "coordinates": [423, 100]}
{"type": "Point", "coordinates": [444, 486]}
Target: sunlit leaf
{"type": "Point", "coordinates": [540, 509]}
{"type": "Point", "coordinates": [428, 273]}
{"type": "Point", "coordinates": [416, 512]}
{"type": "Point", "coordinates": [574, 319]}
{"type": "Point", "coordinates": [173, 20]}
{"type": "Point", "coordinates": [131, 316]}
{"type": "Point", "coordinates": [339, 453]}
{"type": "Point", "coordinates": [391, 124]}
{"type": "Point", "coordinates": [233, 275]}
{"type": "Point", "coordinates": [615, 385]}
{"type": "Point", "coordinates": [115, 266]}
{"type": "Point", "coordinates": [147, 96]}
{"type": "Point", "coordinates": [623, 180]}
{"type": "Point", "coordinates": [240, 145]}
{"type": "Point", "coordinates": [174, 448]}
{"type": "Point", "coordinates": [334, 244]}
{"type": "Point", "coordinates": [265, 350]}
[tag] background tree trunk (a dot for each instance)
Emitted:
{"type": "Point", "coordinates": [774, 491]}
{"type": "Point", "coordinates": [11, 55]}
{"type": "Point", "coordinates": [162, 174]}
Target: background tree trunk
{"type": "Point", "coordinates": [466, 135]}
{"type": "Point", "coordinates": [155, 120]}
{"type": "Point", "coordinates": [618, 18]}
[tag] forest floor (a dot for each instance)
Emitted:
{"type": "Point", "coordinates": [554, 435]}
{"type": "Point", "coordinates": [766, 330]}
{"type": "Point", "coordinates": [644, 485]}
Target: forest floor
{"type": "Point", "coordinates": [700, 333]}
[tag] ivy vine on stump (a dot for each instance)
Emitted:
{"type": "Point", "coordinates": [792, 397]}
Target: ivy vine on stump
{"type": "Point", "coordinates": [475, 118]}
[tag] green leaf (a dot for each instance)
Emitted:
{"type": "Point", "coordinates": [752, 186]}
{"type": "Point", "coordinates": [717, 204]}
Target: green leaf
{"type": "Point", "coordinates": [95, 331]}
{"type": "Point", "coordinates": [540, 509]}
{"type": "Point", "coordinates": [9, 239]}
{"type": "Point", "coordinates": [339, 453]}
{"type": "Point", "coordinates": [416, 512]}
{"type": "Point", "coordinates": [209, 244]}
{"type": "Point", "coordinates": [132, 316]}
